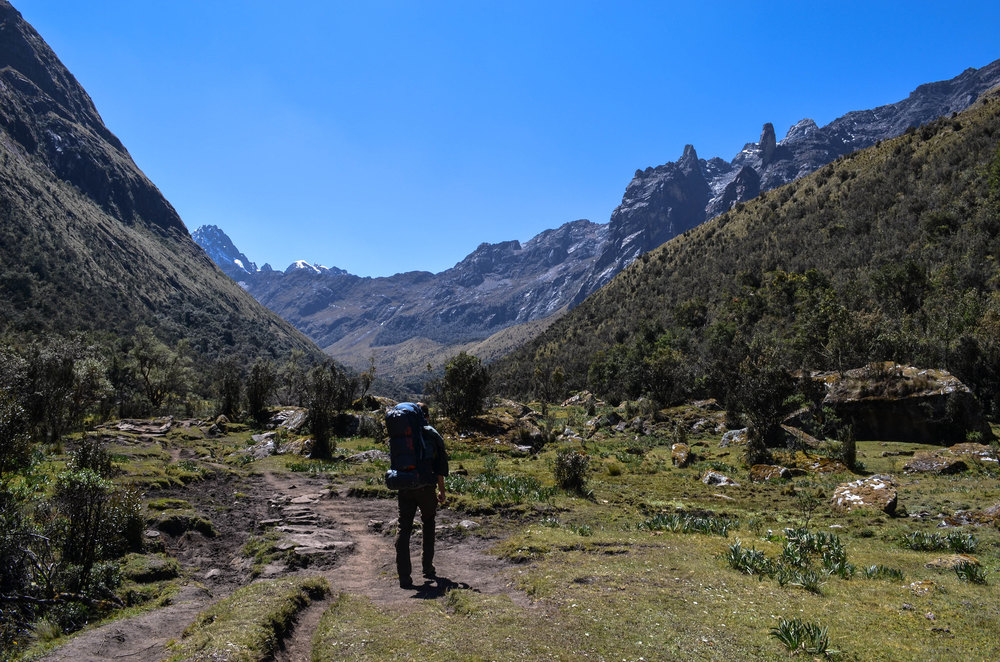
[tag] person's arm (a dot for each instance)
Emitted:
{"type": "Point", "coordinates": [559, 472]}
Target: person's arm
{"type": "Point", "coordinates": [441, 495]}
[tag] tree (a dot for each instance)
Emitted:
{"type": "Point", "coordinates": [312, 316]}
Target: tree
{"type": "Point", "coordinates": [294, 380]}
{"type": "Point", "coordinates": [463, 389]}
{"type": "Point", "coordinates": [162, 371]}
{"type": "Point", "coordinates": [260, 389]}
{"type": "Point", "coordinates": [229, 386]}
{"type": "Point", "coordinates": [761, 388]}
{"type": "Point", "coordinates": [330, 390]}
{"type": "Point", "coordinates": [15, 445]}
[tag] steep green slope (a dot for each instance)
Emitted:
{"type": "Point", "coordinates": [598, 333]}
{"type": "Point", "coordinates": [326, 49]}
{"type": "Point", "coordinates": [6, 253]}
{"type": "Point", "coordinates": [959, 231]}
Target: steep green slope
{"type": "Point", "coordinates": [87, 242]}
{"type": "Point", "coordinates": [890, 253]}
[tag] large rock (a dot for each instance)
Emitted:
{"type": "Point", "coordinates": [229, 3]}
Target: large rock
{"type": "Point", "coordinates": [890, 402]}
{"type": "Point", "coordinates": [934, 463]}
{"type": "Point", "coordinates": [713, 477]}
{"type": "Point", "coordinates": [876, 492]}
{"type": "Point", "coordinates": [680, 454]}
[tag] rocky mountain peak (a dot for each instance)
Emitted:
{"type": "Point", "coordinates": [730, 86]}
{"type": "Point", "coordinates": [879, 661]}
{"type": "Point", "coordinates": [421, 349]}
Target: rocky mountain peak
{"type": "Point", "coordinates": [767, 144]}
{"type": "Point", "coordinates": [800, 129]}
{"type": "Point", "coordinates": [220, 248]}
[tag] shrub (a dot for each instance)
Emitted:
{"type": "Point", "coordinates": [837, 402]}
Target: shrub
{"type": "Point", "coordinates": [571, 470]}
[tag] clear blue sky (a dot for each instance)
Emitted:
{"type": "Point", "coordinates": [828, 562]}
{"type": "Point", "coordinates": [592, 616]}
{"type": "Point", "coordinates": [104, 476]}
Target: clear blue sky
{"type": "Point", "coordinates": [389, 136]}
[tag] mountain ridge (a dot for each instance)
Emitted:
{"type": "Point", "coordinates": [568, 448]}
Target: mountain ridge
{"type": "Point", "coordinates": [87, 242]}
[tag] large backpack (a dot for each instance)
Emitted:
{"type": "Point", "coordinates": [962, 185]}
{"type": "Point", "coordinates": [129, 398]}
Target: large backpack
{"type": "Point", "coordinates": [411, 457]}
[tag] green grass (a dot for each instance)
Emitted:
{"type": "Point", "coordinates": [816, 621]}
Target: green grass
{"type": "Point", "coordinates": [248, 625]}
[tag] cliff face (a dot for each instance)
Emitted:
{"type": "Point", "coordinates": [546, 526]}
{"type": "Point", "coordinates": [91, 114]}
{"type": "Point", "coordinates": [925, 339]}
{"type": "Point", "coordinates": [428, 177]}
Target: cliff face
{"type": "Point", "coordinates": [86, 240]}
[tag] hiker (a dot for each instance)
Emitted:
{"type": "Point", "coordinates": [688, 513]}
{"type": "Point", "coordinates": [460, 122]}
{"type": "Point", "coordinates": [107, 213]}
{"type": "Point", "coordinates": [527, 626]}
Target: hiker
{"type": "Point", "coordinates": [422, 497]}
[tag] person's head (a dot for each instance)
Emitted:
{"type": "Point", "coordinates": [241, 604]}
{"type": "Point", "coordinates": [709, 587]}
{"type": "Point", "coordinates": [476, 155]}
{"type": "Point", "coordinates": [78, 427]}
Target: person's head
{"type": "Point", "coordinates": [424, 409]}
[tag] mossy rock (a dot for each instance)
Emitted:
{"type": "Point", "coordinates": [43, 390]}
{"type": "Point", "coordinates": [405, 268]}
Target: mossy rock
{"type": "Point", "coordinates": [167, 504]}
{"type": "Point", "coordinates": [147, 568]}
{"type": "Point", "coordinates": [175, 523]}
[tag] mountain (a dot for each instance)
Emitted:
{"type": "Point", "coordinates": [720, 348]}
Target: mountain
{"type": "Point", "coordinates": [500, 285]}
{"type": "Point", "coordinates": [889, 253]}
{"type": "Point", "coordinates": [662, 202]}
{"type": "Point", "coordinates": [220, 248]}
{"type": "Point", "coordinates": [495, 287]}
{"type": "Point", "coordinates": [87, 242]}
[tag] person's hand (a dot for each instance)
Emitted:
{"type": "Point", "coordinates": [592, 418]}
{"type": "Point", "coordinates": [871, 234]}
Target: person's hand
{"type": "Point", "coordinates": [441, 496]}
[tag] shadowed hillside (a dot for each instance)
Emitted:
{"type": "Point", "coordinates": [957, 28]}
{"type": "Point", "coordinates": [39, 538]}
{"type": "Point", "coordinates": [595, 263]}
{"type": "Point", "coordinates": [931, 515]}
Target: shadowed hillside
{"type": "Point", "coordinates": [87, 242]}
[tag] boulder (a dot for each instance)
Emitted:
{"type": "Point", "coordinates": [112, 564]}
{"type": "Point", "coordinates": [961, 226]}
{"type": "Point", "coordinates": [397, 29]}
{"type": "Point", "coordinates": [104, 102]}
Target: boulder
{"type": "Point", "coordinates": [796, 438]}
{"type": "Point", "coordinates": [346, 425]}
{"type": "Point", "coordinates": [986, 517]}
{"type": "Point", "coordinates": [886, 401]}
{"type": "Point", "coordinates": [290, 418]}
{"type": "Point", "coordinates": [761, 473]}
{"type": "Point", "coordinates": [980, 452]}
{"type": "Point", "coordinates": [934, 463]}
{"type": "Point", "coordinates": [581, 399]}
{"type": "Point", "coordinates": [876, 492]}
{"type": "Point", "coordinates": [825, 465]}
{"type": "Point", "coordinates": [368, 456]}
{"type": "Point", "coordinates": [680, 455]}
{"type": "Point", "coordinates": [713, 477]}
{"type": "Point", "coordinates": [737, 437]}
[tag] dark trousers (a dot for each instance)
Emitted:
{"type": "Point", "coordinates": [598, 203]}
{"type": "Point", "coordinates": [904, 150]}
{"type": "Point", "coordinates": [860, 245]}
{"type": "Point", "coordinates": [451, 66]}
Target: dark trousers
{"type": "Point", "coordinates": [409, 500]}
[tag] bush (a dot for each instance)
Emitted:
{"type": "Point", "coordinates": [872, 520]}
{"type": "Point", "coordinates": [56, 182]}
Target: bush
{"type": "Point", "coordinates": [571, 470]}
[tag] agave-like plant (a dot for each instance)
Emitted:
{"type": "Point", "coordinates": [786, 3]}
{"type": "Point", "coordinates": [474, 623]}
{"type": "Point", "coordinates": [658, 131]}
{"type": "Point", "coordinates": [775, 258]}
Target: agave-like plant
{"type": "Point", "coordinates": [971, 572]}
{"type": "Point", "coordinates": [798, 635]}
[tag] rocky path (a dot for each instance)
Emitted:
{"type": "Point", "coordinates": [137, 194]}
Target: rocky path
{"type": "Point", "coordinates": [347, 540]}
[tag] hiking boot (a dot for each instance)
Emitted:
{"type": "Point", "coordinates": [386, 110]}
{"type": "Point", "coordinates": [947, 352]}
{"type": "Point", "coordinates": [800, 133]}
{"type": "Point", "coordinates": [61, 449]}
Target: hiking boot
{"type": "Point", "coordinates": [405, 582]}
{"type": "Point", "coordinates": [430, 573]}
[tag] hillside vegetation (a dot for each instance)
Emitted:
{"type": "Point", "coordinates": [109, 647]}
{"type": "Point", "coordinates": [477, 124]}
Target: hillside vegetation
{"type": "Point", "coordinates": [887, 254]}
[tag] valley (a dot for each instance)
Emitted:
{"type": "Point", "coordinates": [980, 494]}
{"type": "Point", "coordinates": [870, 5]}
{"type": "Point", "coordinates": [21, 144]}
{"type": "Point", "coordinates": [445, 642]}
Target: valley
{"type": "Point", "coordinates": [753, 416]}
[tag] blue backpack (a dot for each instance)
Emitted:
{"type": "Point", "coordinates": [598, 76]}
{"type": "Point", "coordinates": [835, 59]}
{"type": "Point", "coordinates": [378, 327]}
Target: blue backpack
{"type": "Point", "coordinates": [411, 458]}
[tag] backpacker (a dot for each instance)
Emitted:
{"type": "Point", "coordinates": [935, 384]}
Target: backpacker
{"type": "Point", "coordinates": [411, 458]}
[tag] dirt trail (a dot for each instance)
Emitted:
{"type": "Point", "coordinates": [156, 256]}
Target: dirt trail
{"type": "Point", "coordinates": [360, 562]}
{"type": "Point", "coordinates": [370, 569]}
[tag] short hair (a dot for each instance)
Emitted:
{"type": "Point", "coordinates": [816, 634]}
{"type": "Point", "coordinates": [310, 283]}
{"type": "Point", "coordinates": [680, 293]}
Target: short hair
{"type": "Point", "coordinates": [424, 409]}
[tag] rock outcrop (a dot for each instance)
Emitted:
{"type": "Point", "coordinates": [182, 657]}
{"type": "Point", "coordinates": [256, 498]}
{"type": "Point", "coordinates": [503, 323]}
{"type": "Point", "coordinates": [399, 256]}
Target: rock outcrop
{"type": "Point", "coordinates": [889, 402]}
